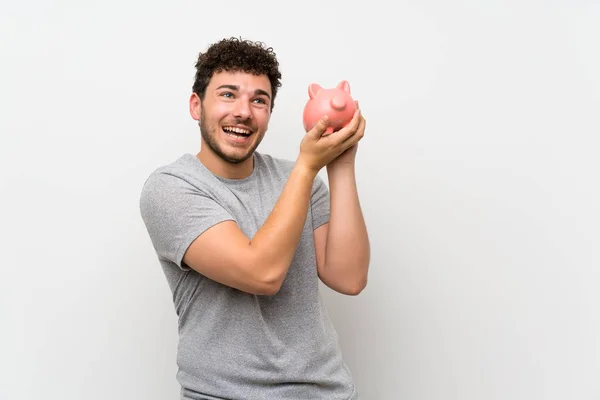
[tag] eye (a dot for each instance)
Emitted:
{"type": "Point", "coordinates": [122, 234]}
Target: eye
{"type": "Point", "coordinates": [227, 94]}
{"type": "Point", "coordinates": [261, 101]}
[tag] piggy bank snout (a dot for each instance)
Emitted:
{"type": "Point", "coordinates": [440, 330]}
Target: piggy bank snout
{"type": "Point", "coordinates": [338, 103]}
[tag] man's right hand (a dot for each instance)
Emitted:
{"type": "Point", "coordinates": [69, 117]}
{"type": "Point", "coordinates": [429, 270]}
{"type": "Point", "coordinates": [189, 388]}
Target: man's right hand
{"type": "Point", "coordinates": [317, 149]}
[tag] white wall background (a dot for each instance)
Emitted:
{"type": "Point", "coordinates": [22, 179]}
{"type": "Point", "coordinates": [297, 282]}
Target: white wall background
{"type": "Point", "coordinates": [478, 176]}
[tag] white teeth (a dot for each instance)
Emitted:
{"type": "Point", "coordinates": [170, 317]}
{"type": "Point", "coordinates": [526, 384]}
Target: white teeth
{"type": "Point", "coordinates": [236, 135]}
{"type": "Point", "coordinates": [236, 130]}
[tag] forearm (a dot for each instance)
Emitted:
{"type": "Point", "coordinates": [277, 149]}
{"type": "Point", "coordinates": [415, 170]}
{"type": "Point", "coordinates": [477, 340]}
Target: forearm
{"type": "Point", "coordinates": [275, 243]}
{"type": "Point", "coordinates": [347, 253]}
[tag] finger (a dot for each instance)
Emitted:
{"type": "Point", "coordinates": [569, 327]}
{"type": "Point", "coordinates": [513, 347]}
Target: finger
{"type": "Point", "coordinates": [347, 131]}
{"type": "Point", "coordinates": [362, 125]}
{"type": "Point", "coordinates": [360, 132]}
{"type": "Point", "coordinates": [317, 131]}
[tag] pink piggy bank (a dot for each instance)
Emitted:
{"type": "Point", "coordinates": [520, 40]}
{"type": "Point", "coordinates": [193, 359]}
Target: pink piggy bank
{"type": "Point", "coordinates": [336, 103]}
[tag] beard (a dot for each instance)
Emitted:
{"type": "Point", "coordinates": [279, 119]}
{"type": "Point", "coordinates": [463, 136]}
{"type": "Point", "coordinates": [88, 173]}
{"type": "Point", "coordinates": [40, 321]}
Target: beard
{"type": "Point", "coordinates": [209, 134]}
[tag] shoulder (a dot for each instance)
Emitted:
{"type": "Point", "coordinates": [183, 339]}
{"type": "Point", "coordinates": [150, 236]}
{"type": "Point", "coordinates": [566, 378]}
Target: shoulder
{"type": "Point", "coordinates": [174, 180]}
{"type": "Point", "coordinates": [184, 171]}
{"type": "Point", "coordinates": [269, 162]}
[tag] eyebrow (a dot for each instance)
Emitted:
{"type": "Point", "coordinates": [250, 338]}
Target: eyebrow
{"type": "Point", "coordinates": [236, 88]}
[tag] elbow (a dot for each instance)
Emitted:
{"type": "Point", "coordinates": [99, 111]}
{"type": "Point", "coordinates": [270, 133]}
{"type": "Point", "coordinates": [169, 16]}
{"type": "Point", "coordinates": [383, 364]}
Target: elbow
{"type": "Point", "coordinates": [344, 282]}
{"type": "Point", "coordinates": [269, 289]}
{"type": "Point", "coordinates": [357, 288]}
{"type": "Point", "coordinates": [270, 283]}
{"type": "Point", "coordinates": [358, 283]}
{"type": "Point", "coordinates": [349, 287]}
{"type": "Point", "coordinates": [262, 288]}
{"type": "Point", "coordinates": [266, 272]}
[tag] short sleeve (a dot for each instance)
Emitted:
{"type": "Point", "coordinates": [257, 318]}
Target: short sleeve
{"type": "Point", "coordinates": [175, 213]}
{"type": "Point", "coordinates": [320, 203]}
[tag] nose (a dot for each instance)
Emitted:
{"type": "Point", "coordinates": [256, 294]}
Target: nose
{"type": "Point", "coordinates": [242, 110]}
{"type": "Point", "coordinates": [338, 103]}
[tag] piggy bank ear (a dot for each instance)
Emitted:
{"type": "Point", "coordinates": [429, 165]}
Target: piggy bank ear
{"type": "Point", "coordinates": [313, 90]}
{"type": "Point", "coordinates": [344, 85]}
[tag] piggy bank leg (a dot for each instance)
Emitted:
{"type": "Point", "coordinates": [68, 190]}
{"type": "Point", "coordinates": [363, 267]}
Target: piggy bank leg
{"type": "Point", "coordinates": [329, 130]}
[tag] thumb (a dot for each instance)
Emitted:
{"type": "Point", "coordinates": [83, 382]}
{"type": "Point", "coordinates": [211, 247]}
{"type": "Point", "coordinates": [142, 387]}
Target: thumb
{"type": "Point", "coordinates": [317, 131]}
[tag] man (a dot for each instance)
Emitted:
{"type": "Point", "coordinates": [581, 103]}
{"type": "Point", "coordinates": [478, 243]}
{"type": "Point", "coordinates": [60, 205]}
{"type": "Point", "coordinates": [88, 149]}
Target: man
{"type": "Point", "coordinates": [244, 237]}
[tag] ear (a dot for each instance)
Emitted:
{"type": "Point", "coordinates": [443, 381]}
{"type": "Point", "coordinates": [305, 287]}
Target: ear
{"type": "Point", "coordinates": [344, 85]}
{"type": "Point", "coordinates": [195, 106]}
{"type": "Point", "coordinates": [313, 90]}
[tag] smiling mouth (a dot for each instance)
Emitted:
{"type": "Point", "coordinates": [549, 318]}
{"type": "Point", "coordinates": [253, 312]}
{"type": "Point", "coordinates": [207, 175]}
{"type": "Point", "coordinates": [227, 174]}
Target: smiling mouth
{"type": "Point", "coordinates": [237, 131]}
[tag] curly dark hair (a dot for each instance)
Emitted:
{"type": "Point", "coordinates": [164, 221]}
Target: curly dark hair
{"type": "Point", "coordinates": [237, 55]}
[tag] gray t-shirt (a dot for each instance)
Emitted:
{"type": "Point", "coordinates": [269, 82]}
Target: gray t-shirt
{"type": "Point", "coordinates": [232, 344]}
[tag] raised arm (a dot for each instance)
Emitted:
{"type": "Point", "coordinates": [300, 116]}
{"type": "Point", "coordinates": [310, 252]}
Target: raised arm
{"type": "Point", "coordinates": [259, 266]}
{"type": "Point", "coordinates": [342, 246]}
{"type": "Point", "coordinates": [224, 254]}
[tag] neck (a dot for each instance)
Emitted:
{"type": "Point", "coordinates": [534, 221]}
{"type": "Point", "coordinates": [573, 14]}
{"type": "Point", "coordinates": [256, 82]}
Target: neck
{"type": "Point", "coordinates": [225, 169]}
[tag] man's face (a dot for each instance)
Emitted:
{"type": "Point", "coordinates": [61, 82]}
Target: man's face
{"type": "Point", "coordinates": [235, 113]}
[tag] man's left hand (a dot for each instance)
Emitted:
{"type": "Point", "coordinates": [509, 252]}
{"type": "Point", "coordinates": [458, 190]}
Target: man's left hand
{"type": "Point", "coordinates": [349, 156]}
